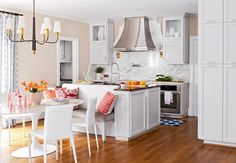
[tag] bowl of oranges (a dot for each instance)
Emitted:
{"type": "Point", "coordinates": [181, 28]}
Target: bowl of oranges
{"type": "Point", "coordinates": [136, 83]}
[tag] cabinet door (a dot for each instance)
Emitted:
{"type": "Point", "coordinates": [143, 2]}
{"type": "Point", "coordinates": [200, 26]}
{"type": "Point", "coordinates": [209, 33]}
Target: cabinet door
{"type": "Point", "coordinates": [210, 102]}
{"type": "Point", "coordinates": [229, 11]}
{"type": "Point", "coordinates": [138, 112]}
{"type": "Point", "coordinates": [98, 53]}
{"type": "Point", "coordinates": [153, 107]}
{"type": "Point", "coordinates": [173, 51]}
{"type": "Point", "coordinates": [229, 134]}
{"type": "Point", "coordinates": [122, 114]}
{"type": "Point", "coordinates": [211, 43]}
{"type": "Point", "coordinates": [210, 11]}
{"type": "Point", "coordinates": [229, 43]}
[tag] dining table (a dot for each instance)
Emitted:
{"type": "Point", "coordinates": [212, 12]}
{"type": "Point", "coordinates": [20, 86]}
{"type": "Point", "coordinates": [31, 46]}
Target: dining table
{"type": "Point", "coordinates": [34, 112]}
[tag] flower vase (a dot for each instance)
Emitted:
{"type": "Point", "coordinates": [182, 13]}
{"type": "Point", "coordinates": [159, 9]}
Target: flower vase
{"type": "Point", "coordinates": [36, 98]}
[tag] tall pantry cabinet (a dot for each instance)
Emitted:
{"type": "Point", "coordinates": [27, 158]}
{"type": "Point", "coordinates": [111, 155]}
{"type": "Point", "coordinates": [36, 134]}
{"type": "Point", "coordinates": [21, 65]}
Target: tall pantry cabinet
{"type": "Point", "coordinates": [217, 71]}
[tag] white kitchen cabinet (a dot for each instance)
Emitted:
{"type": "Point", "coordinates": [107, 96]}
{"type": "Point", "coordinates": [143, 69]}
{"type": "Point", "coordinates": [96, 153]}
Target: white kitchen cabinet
{"type": "Point", "coordinates": [175, 44]}
{"type": "Point", "coordinates": [217, 72]}
{"type": "Point", "coordinates": [229, 43]}
{"type": "Point", "coordinates": [101, 42]}
{"type": "Point", "coordinates": [211, 43]}
{"type": "Point", "coordinates": [229, 11]}
{"type": "Point", "coordinates": [138, 112]}
{"type": "Point", "coordinates": [173, 51]}
{"type": "Point", "coordinates": [210, 102]}
{"type": "Point", "coordinates": [229, 111]}
{"type": "Point", "coordinates": [229, 120]}
{"type": "Point", "coordinates": [122, 115]}
{"type": "Point", "coordinates": [210, 11]}
{"type": "Point", "coordinates": [153, 107]}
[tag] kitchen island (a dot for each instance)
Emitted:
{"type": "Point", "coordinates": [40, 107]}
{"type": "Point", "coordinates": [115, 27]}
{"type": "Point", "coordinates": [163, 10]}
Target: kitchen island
{"type": "Point", "coordinates": [136, 111]}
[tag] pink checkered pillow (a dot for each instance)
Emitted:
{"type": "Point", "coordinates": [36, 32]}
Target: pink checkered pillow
{"type": "Point", "coordinates": [107, 103]}
{"type": "Point", "coordinates": [67, 93]}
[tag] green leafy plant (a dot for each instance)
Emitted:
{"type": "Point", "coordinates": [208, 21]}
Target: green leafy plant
{"type": "Point", "coordinates": [99, 69]}
{"type": "Point", "coordinates": [161, 77]}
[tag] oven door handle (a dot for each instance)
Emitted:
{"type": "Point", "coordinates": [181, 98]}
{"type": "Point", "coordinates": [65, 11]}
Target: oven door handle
{"type": "Point", "coordinates": [174, 92]}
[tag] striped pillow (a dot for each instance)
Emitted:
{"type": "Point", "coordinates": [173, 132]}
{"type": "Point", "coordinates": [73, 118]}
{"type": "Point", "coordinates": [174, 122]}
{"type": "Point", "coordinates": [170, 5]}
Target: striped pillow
{"type": "Point", "coordinates": [107, 103]}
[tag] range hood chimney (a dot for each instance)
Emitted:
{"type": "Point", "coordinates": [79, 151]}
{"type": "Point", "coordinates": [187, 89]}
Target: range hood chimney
{"type": "Point", "coordinates": [136, 36]}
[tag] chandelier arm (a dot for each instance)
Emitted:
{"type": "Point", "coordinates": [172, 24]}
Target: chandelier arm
{"type": "Point", "coordinates": [53, 42]}
{"type": "Point", "coordinates": [13, 40]}
{"type": "Point", "coordinates": [40, 42]}
{"type": "Point", "coordinates": [26, 40]}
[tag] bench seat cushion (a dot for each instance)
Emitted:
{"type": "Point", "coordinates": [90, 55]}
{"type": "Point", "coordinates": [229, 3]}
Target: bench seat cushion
{"type": "Point", "coordinates": [99, 117]}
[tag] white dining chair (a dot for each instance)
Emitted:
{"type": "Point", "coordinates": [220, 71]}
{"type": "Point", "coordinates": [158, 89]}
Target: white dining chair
{"type": "Point", "coordinates": [88, 121]}
{"type": "Point", "coordinates": [57, 126]}
{"type": "Point", "coordinates": [3, 101]}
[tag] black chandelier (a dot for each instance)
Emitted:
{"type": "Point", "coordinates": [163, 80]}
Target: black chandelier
{"type": "Point", "coordinates": [45, 28]}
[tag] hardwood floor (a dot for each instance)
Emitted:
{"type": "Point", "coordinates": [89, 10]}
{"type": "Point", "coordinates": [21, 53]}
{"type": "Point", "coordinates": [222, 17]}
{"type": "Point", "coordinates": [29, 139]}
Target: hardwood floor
{"type": "Point", "coordinates": [163, 145]}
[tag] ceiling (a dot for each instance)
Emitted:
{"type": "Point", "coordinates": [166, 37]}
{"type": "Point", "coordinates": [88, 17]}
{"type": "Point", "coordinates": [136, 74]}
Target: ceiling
{"type": "Point", "coordinates": [87, 10]}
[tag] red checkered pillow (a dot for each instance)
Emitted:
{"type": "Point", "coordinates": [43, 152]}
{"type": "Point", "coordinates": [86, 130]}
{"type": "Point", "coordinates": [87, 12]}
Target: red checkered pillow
{"type": "Point", "coordinates": [67, 93]}
{"type": "Point", "coordinates": [107, 103]}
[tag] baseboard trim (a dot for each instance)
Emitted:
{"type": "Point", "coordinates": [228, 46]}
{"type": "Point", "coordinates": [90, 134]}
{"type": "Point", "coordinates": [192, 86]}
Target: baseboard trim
{"type": "Point", "coordinates": [219, 143]}
{"type": "Point", "coordinates": [136, 136]}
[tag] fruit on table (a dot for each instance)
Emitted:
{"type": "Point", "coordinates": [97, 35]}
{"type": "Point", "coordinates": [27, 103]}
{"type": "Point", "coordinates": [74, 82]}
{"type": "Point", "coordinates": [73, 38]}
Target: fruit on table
{"type": "Point", "coordinates": [136, 83]}
{"type": "Point", "coordinates": [129, 83]}
{"type": "Point", "coordinates": [143, 82]}
{"type": "Point", "coordinates": [133, 82]}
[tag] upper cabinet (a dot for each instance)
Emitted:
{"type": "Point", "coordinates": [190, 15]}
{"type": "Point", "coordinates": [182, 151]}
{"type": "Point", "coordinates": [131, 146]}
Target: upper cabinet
{"type": "Point", "coordinates": [175, 44]}
{"type": "Point", "coordinates": [211, 11]}
{"type": "Point", "coordinates": [210, 43]}
{"type": "Point", "coordinates": [229, 43]}
{"type": "Point", "coordinates": [229, 11]}
{"type": "Point", "coordinates": [101, 42]}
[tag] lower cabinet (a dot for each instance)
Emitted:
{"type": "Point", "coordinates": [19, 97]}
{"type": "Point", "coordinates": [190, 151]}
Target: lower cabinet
{"type": "Point", "coordinates": [229, 110]}
{"type": "Point", "coordinates": [136, 112]}
{"type": "Point", "coordinates": [153, 107]}
{"type": "Point", "coordinates": [210, 102]}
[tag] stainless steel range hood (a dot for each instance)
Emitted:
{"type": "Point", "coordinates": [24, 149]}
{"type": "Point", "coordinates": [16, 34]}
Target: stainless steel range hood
{"type": "Point", "coordinates": [136, 36]}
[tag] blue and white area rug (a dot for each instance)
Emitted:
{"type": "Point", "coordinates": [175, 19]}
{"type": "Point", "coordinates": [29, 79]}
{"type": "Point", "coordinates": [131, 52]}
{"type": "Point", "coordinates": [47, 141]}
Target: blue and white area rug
{"type": "Point", "coordinates": [171, 122]}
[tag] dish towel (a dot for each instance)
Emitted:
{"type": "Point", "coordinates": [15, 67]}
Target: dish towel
{"type": "Point", "coordinates": [168, 97]}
